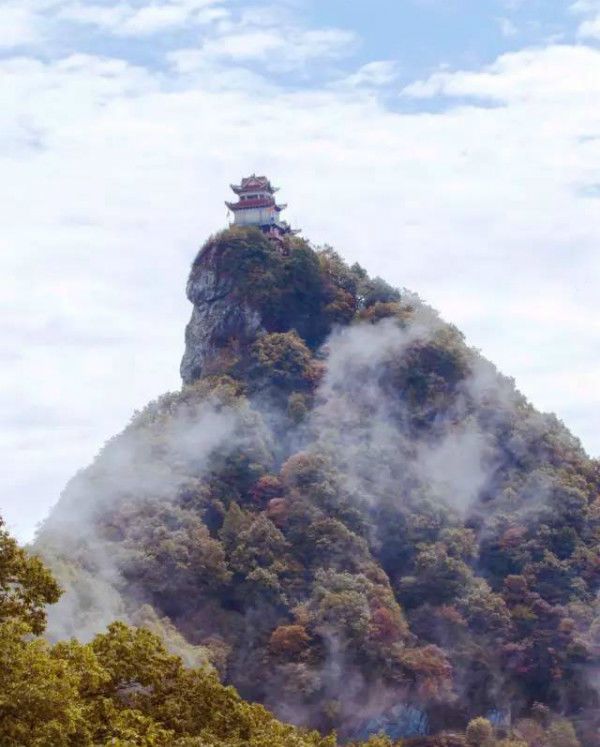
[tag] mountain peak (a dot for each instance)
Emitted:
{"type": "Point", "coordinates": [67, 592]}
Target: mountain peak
{"type": "Point", "coordinates": [358, 520]}
{"type": "Point", "coordinates": [243, 285]}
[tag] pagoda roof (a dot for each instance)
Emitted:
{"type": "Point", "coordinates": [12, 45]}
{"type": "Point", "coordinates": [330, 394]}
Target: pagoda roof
{"type": "Point", "coordinates": [254, 183]}
{"type": "Point", "coordinates": [259, 202]}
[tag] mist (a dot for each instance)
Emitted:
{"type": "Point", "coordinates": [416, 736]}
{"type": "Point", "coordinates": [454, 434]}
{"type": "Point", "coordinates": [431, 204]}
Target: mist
{"type": "Point", "coordinates": [393, 437]}
{"type": "Point", "coordinates": [146, 465]}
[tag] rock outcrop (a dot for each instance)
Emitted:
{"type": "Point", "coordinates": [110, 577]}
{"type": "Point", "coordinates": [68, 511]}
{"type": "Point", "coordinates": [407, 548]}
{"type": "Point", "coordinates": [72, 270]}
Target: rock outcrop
{"type": "Point", "coordinates": [220, 318]}
{"type": "Point", "coordinates": [244, 284]}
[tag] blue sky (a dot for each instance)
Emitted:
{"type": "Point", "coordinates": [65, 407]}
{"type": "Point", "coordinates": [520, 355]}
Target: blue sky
{"type": "Point", "coordinates": [420, 35]}
{"type": "Point", "coordinates": [424, 34]}
{"type": "Point", "coordinates": [452, 147]}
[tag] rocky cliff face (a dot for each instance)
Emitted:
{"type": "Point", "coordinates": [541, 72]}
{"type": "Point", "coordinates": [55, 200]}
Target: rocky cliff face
{"type": "Point", "coordinates": [243, 285]}
{"type": "Point", "coordinates": [220, 319]}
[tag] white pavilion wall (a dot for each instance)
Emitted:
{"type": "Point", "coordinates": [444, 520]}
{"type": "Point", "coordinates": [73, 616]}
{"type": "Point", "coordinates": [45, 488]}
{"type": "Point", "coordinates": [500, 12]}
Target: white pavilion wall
{"type": "Point", "coordinates": [258, 216]}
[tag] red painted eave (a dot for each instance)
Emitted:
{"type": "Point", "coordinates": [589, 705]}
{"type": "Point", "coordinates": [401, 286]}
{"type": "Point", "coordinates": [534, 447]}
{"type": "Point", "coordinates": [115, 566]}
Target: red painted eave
{"type": "Point", "coordinates": [254, 184]}
{"type": "Point", "coordinates": [250, 204]}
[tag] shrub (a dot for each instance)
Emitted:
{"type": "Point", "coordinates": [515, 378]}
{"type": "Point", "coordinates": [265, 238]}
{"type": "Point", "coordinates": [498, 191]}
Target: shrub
{"type": "Point", "coordinates": [480, 733]}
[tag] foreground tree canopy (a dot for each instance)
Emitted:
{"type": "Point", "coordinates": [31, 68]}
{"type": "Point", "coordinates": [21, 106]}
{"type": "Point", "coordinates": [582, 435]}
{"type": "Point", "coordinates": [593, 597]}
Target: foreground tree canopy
{"type": "Point", "coordinates": [349, 513]}
{"type": "Point", "coordinates": [122, 688]}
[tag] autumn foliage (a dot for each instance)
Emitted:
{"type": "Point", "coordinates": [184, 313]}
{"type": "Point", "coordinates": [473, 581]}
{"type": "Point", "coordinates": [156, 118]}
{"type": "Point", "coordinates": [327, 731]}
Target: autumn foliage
{"type": "Point", "coordinates": [386, 538]}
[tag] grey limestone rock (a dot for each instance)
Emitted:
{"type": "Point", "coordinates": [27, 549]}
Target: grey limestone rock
{"type": "Point", "coordinates": [219, 319]}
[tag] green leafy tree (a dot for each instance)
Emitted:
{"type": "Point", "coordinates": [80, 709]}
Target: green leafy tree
{"type": "Point", "coordinates": [562, 734]}
{"type": "Point", "coordinates": [282, 360]}
{"type": "Point", "coordinates": [26, 585]}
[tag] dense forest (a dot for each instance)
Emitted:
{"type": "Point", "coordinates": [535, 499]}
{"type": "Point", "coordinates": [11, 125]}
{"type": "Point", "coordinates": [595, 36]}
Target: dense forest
{"type": "Point", "coordinates": [346, 514]}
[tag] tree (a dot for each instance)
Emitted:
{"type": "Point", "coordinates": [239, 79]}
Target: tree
{"type": "Point", "coordinates": [124, 688]}
{"type": "Point", "coordinates": [40, 701]}
{"type": "Point", "coordinates": [174, 557]}
{"type": "Point", "coordinates": [332, 545]}
{"type": "Point", "coordinates": [26, 585]}
{"type": "Point", "coordinates": [282, 360]}
{"type": "Point", "coordinates": [480, 733]}
{"type": "Point", "coordinates": [289, 641]}
{"type": "Point", "coordinates": [427, 668]}
{"type": "Point", "coordinates": [438, 577]}
{"type": "Point", "coordinates": [261, 545]}
{"type": "Point", "coordinates": [562, 734]}
{"type": "Point", "coordinates": [376, 290]}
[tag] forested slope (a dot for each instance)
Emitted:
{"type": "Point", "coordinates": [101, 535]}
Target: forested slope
{"type": "Point", "coordinates": [349, 512]}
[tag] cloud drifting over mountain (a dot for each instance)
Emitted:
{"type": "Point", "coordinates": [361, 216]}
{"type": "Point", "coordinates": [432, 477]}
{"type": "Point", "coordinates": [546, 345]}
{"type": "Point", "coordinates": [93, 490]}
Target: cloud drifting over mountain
{"type": "Point", "coordinates": [123, 123]}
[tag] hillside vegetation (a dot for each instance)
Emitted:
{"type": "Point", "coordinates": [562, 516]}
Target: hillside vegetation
{"type": "Point", "coordinates": [122, 688]}
{"type": "Point", "coordinates": [346, 513]}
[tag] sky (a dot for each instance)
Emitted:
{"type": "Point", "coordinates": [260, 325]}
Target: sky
{"type": "Point", "coordinates": [450, 146]}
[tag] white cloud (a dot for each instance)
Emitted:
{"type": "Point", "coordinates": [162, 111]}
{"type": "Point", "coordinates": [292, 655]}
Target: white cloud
{"type": "Point", "coordinates": [18, 25]}
{"type": "Point", "coordinates": [263, 35]}
{"type": "Point", "coordinates": [250, 45]}
{"type": "Point", "coordinates": [124, 19]}
{"type": "Point", "coordinates": [550, 73]}
{"type": "Point", "coordinates": [585, 6]}
{"type": "Point", "coordinates": [377, 73]}
{"type": "Point", "coordinates": [279, 49]}
{"type": "Point", "coordinates": [105, 16]}
{"type": "Point", "coordinates": [590, 27]}
{"type": "Point", "coordinates": [113, 174]}
{"type": "Point", "coordinates": [154, 18]}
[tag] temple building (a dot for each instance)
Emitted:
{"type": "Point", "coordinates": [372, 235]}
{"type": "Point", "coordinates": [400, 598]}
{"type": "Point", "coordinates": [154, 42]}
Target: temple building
{"type": "Point", "coordinates": [256, 206]}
